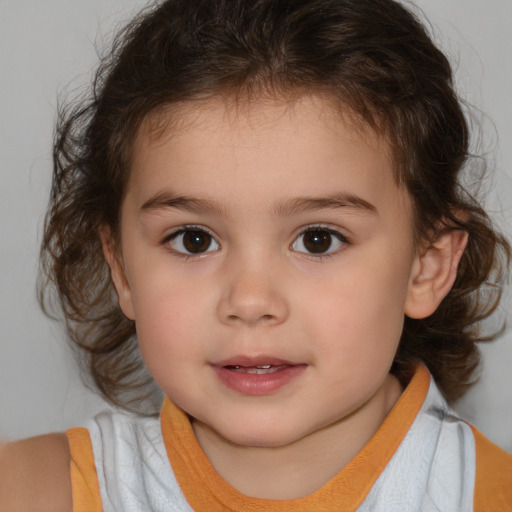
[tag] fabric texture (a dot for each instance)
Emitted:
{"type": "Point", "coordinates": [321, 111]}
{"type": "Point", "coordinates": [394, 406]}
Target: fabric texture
{"type": "Point", "coordinates": [86, 491]}
{"type": "Point", "coordinates": [422, 458]}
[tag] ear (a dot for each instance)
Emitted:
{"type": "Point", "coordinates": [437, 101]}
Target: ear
{"type": "Point", "coordinates": [114, 260]}
{"type": "Point", "coordinates": [434, 273]}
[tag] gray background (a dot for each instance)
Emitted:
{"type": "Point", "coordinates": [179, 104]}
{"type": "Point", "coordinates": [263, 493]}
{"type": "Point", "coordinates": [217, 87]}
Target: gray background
{"type": "Point", "coordinates": [48, 46]}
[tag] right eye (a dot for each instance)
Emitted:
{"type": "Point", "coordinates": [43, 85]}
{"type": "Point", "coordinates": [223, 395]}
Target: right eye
{"type": "Point", "coordinates": [192, 241]}
{"type": "Point", "coordinates": [319, 241]}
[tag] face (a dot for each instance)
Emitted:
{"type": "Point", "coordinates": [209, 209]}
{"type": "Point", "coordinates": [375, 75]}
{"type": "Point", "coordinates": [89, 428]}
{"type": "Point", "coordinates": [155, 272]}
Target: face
{"type": "Point", "coordinates": [266, 257]}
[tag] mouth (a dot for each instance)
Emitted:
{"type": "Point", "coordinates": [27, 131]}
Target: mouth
{"type": "Point", "coordinates": [263, 369]}
{"type": "Point", "coordinates": [258, 375]}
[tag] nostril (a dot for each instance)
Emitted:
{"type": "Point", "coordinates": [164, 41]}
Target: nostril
{"type": "Point", "coordinates": [251, 319]}
{"type": "Point", "coordinates": [251, 306]}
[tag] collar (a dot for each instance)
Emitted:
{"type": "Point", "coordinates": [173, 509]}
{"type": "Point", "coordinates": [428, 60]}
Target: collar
{"type": "Point", "coordinates": [205, 490]}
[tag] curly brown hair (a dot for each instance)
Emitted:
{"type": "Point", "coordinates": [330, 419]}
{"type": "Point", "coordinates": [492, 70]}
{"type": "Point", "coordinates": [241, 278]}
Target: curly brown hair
{"type": "Point", "coordinates": [373, 56]}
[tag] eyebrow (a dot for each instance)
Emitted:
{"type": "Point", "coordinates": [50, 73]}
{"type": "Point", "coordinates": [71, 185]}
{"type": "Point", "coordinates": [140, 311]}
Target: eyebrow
{"type": "Point", "coordinates": [332, 201]}
{"type": "Point", "coordinates": [164, 200]}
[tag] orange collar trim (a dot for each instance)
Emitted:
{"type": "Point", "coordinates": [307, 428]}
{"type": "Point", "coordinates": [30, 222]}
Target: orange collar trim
{"type": "Point", "coordinates": [205, 490]}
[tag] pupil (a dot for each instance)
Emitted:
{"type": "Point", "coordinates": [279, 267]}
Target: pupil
{"type": "Point", "coordinates": [196, 241]}
{"type": "Point", "coordinates": [317, 241]}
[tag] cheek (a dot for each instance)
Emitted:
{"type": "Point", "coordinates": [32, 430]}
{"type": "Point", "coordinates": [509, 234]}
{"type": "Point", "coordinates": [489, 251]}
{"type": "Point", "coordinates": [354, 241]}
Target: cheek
{"type": "Point", "coordinates": [168, 344]}
{"type": "Point", "coordinates": [164, 297]}
{"type": "Point", "coordinates": [360, 314]}
{"type": "Point", "coordinates": [167, 323]}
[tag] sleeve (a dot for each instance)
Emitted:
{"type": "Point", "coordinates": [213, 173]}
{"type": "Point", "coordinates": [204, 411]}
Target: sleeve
{"type": "Point", "coordinates": [84, 479]}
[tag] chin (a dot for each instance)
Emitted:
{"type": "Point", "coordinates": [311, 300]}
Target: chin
{"type": "Point", "coordinates": [264, 436]}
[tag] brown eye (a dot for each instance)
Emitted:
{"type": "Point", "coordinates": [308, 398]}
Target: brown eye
{"type": "Point", "coordinates": [319, 241]}
{"type": "Point", "coordinates": [193, 241]}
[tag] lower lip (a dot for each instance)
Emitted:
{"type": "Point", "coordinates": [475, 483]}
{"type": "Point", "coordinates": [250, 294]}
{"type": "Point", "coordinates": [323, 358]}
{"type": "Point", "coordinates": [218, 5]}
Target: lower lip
{"type": "Point", "coordinates": [258, 384]}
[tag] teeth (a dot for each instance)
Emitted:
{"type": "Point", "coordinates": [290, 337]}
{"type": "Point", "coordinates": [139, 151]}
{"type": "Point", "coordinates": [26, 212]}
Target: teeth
{"type": "Point", "coordinates": [261, 370]}
{"type": "Point", "coordinates": [262, 367]}
{"type": "Point", "coordinates": [258, 370]}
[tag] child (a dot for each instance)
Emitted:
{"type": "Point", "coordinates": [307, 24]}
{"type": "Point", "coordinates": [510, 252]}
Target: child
{"type": "Point", "coordinates": [262, 206]}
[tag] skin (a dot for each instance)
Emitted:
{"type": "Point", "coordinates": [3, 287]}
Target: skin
{"type": "Point", "coordinates": [252, 179]}
{"type": "Point", "coordinates": [34, 475]}
{"type": "Point", "coordinates": [264, 177]}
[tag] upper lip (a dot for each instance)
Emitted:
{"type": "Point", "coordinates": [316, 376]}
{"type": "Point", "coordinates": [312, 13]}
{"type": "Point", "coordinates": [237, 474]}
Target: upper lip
{"type": "Point", "coordinates": [251, 361]}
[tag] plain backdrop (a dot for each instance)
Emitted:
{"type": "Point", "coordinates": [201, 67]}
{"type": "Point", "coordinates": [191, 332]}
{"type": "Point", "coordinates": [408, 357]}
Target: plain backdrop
{"type": "Point", "coordinates": [47, 46]}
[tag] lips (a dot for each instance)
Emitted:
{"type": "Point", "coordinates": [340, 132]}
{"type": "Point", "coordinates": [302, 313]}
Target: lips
{"type": "Point", "coordinates": [258, 370]}
{"type": "Point", "coordinates": [254, 361]}
{"type": "Point", "coordinates": [257, 375]}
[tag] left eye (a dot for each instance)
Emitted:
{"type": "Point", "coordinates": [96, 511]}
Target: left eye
{"type": "Point", "coordinates": [193, 241]}
{"type": "Point", "coordinates": [319, 241]}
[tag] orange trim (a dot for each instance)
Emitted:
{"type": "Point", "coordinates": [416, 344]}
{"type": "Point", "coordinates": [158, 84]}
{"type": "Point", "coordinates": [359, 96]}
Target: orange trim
{"type": "Point", "coordinates": [493, 482]}
{"type": "Point", "coordinates": [84, 479]}
{"type": "Point", "coordinates": [205, 490]}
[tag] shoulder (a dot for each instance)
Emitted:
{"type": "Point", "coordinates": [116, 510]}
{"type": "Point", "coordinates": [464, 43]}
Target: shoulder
{"type": "Point", "coordinates": [121, 430]}
{"type": "Point", "coordinates": [493, 481]}
{"type": "Point", "coordinates": [121, 459]}
{"type": "Point", "coordinates": [109, 459]}
{"type": "Point", "coordinates": [34, 474]}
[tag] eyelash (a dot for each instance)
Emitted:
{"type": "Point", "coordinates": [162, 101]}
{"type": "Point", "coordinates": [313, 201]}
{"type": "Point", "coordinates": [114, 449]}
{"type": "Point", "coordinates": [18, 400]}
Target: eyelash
{"type": "Point", "coordinates": [318, 228]}
{"type": "Point", "coordinates": [187, 229]}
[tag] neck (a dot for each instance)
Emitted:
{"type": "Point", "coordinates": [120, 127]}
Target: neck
{"type": "Point", "coordinates": [298, 469]}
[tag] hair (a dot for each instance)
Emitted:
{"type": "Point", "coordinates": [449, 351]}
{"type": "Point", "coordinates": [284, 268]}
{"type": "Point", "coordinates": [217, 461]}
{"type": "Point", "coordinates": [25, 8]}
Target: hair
{"type": "Point", "coordinates": [373, 57]}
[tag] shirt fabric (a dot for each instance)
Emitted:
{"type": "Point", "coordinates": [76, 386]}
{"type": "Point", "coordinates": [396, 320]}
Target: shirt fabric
{"type": "Point", "coordinates": [422, 458]}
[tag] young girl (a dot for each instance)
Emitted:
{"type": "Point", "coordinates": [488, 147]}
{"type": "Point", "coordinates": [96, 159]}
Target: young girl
{"type": "Point", "coordinates": [261, 211]}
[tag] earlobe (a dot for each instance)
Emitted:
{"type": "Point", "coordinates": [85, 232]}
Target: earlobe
{"type": "Point", "coordinates": [434, 273]}
{"type": "Point", "coordinates": [117, 273]}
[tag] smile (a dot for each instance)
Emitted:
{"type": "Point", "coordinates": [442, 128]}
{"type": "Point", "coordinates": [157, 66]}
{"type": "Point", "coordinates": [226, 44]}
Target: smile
{"type": "Point", "coordinates": [259, 370]}
{"type": "Point", "coordinates": [257, 376]}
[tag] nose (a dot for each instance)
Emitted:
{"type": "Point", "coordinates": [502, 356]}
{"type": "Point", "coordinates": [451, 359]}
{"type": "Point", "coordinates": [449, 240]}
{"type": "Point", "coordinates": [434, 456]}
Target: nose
{"type": "Point", "coordinates": [253, 295]}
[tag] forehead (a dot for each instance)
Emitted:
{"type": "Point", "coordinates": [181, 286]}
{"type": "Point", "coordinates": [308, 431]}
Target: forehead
{"type": "Point", "coordinates": [233, 150]}
{"type": "Point", "coordinates": [257, 111]}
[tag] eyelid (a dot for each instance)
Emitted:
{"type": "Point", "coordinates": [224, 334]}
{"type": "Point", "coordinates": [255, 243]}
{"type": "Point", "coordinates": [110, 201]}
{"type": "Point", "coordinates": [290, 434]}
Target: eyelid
{"type": "Point", "coordinates": [183, 229]}
{"type": "Point", "coordinates": [189, 227]}
{"type": "Point", "coordinates": [335, 232]}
